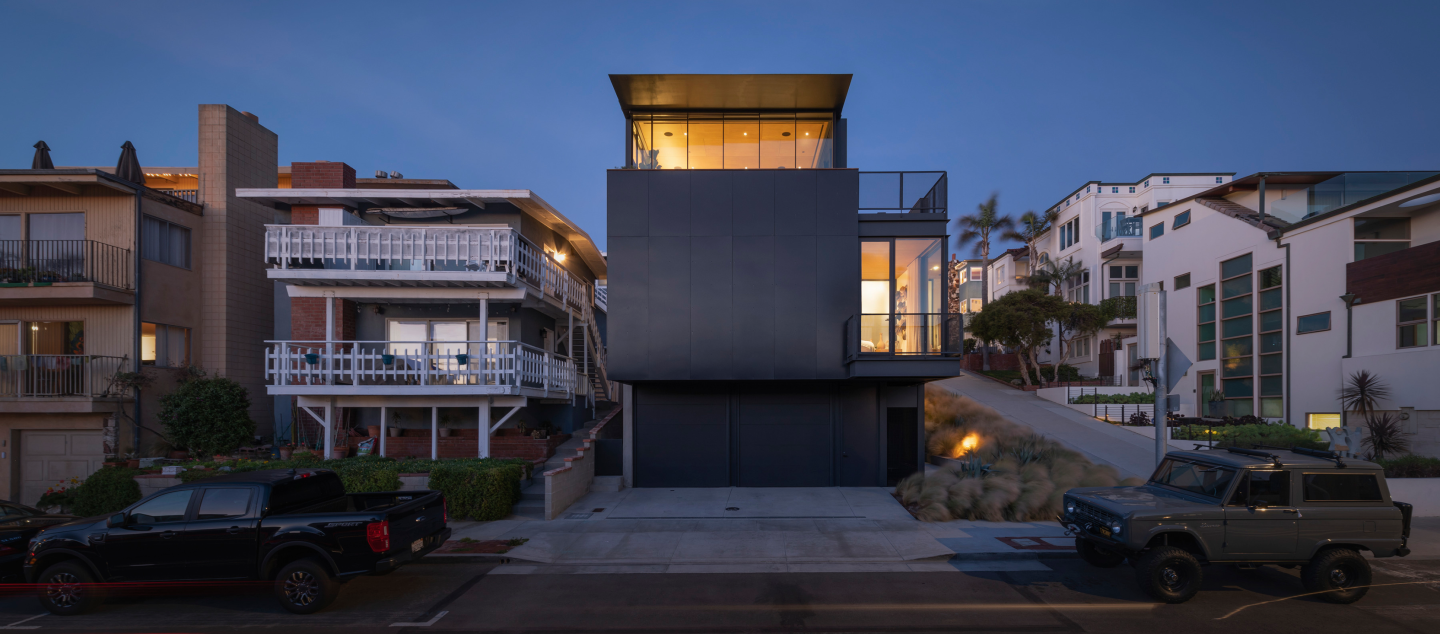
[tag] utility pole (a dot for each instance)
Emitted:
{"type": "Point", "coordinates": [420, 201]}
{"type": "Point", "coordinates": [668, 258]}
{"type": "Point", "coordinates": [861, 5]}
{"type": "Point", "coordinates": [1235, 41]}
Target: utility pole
{"type": "Point", "coordinates": [1152, 344]}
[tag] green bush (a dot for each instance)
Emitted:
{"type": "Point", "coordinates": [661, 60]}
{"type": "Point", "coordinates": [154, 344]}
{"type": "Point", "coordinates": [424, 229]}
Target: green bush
{"type": "Point", "coordinates": [208, 416]}
{"type": "Point", "coordinates": [1067, 373]}
{"type": "Point", "coordinates": [1247, 436]}
{"type": "Point", "coordinates": [1133, 398]}
{"type": "Point", "coordinates": [106, 491]}
{"type": "Point", "coordinates": [1411, 467]}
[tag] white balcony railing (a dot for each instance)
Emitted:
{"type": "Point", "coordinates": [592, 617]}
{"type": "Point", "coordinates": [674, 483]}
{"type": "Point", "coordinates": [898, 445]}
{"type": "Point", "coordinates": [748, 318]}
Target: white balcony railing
{"type": "Point", "coordinates": [602, 298]}
{"type": "Point", "coordinates": [509, 367]}
{"type": "Point", "coordinates": [423, 249]}
{"type": "Point", "coordinates": [58, 375]}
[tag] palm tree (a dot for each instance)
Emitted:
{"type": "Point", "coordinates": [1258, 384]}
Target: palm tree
{"type": "Point", "coordinates": [976, 228]}
{"type": "Point", "coordinates": [1363, 394]}
{"type": "Point", "coordinates": [1053, 273]}
{"type": "Point", "coordinates": [1029, 230]}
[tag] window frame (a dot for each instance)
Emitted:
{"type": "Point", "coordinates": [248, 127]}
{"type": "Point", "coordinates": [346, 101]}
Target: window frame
{"type": "Point", "coordinates": [1164, 180]}
{"type": "Point", "coordinates": [1327, 327]}
{"type": "Point", "coordinates": [1178, 278]}
{"type": "Point", "coordinates": [1221, 339]}
{"type": "Point", "coordinates": [1423, 323]}
{"type": "Point", "coordinates": [168, 228]}
{"type": "Point", "coordinates": [1260, 353]}
{"type": "Point", "coordinates": [1214, 340]}
{"type": "Point", "coordinates": [162, 346]}
{"type": "Point", "coordinates": [1157, 231]}
{"type": "Point", "coordinates": [1177, 223]}
{"type": "Point", "coordinates": [891, 316]}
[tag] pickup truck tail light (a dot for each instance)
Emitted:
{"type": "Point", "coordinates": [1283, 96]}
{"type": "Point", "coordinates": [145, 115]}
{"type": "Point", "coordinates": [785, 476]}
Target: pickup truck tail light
{"type": "Point", "coordinates": [377, 534]}
{"type": "Point", "coordinates": [445, 510]}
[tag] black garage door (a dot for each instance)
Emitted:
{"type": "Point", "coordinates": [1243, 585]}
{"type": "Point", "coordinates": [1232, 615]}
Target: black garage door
{"type": "Point", "coordinates": [734, 438]}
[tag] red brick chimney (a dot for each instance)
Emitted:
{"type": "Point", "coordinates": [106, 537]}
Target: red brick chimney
{"type": "Point", "coordinates": [317, 175]}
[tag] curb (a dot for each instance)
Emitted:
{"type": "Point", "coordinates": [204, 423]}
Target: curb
{"type": "Point", "coordinates": [1052, 554]}
{"type": "Point", "coordinates": [473, 558]}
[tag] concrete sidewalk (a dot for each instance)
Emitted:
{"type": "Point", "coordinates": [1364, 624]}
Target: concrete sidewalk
{"type": "Point", "coordinates": [1103, 443]}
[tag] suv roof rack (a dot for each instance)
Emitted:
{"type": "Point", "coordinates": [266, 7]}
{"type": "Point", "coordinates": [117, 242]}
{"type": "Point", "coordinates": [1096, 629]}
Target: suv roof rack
{"type": "Point", "coordinates": [1258, 454]}
{"type": "Point", "coordinates": [1320, 453]}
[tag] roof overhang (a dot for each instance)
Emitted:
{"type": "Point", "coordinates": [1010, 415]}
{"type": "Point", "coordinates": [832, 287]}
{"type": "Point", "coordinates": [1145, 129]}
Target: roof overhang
{"type": "Point", "coordinates": [62, 182]}
{"type": "Point", "coordinates": [365, 199]}
{"type": "Point", "coordinates": [731, 92]}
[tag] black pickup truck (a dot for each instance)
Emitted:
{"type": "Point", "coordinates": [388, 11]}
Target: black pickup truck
{"type": "Point", "coordinates": [297, 528]}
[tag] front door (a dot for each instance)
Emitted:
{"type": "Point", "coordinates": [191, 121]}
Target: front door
{"type": "Point", "coordinates": [147, 547]}
{"type": "Point", "coordinates": [1260, 520]}
{"type": "Point", "coordinates": [221, 541]}
{"type": "Point", "coordinates": [902, 443]}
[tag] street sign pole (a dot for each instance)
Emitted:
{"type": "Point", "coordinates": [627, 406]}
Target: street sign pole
{"type": "Point", "coordinates": [1161, 386]}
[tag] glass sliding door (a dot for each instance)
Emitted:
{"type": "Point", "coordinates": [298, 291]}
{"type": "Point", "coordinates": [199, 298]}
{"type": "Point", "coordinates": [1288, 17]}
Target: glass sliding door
{"type": "Point", "coordinates": [902, 296]}
{"type": "Point", "coordinates": [875, 296]}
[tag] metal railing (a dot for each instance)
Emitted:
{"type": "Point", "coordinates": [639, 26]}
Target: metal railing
{"type": "Point", "coordinates": [902, 335]}
{"type": "Point", "coordinates": [419, 363]}
{"type": "Point", "coordinates": [461, 249]}
{"type": "Point", "coordinates": [1111, 228]}
{"type": "Point", "coordinates": [602, 298]}
{"type": "Point", "coordinates": [1123, 306]}
{"type": "Point", "coordinates": [188, 195]}
{"type": "Point", "coordinates": [58, 375]}
{"type": "Point", "coordinates": [906, 192]}
{"type": "Point", "coordinates": [54, 261]}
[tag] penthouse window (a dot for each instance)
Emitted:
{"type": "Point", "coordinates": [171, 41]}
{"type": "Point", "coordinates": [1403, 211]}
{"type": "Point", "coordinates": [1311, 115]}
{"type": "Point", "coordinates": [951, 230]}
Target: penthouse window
{"type": "Point", "coordinates": [691, 140]}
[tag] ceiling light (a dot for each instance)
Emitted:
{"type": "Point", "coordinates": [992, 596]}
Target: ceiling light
{"type": "Point", "coordinates": [559, 257]}
{"type": "Point", "coordinates": [807, 134]}
{"type": "Point", "coordinates": [1423, 200]}
{"type": "Point", "coordinates": [935, 268]}
{"type": "Point", "coordinates": [669, 134]}
{"type": "Point", "coordinates": [746, 133]}
{"type": "Point", "coordinates": [784, 134]}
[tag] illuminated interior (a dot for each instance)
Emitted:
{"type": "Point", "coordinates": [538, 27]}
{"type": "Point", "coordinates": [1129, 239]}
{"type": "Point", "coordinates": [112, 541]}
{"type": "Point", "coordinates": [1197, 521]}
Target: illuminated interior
{"type": "Point", "coordinates": [732, 140]}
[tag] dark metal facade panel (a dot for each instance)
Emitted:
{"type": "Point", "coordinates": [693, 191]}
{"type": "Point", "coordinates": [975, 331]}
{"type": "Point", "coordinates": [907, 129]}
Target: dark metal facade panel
{"type": "Point", "coordinates": [711, 319]}
{"type": "Point", "coordinates": [795, 203]}
{"type": "Point", "coordinates": [626, 197]}
{"type": "Point", "coordinates": [753, 202]}
{"type": "Point", "coordinates": [837, 296]}
{"type": "Point", "coordinates": [669, 308]}
{"type": "Point", "coordinates": [754, 307]}
{"type": "Point", "coordinates": [898, 228]}
{"type": "Point", "coordinates": [795, 301]}
{"type": "Point", "coordinates": [858, 463]}
{"type": "Point", "coordinates": [628, 317]}
{"type": "Point", "coordinates": [904, 368]}
{"type": "Point", "coordinates": [669, 201]}
{"type": "Point", "coordinates": [710, 203]}
{"type": "Point", "coordinates": [682, 438]}
{"type": "Point", "coordinates": [837, 197]}
{"type": "Point", "coordinates": [785, 439]}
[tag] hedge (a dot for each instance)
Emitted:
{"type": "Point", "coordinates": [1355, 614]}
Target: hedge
{"type": "Point", "coordinates": [1411, 467]}
{"type": "Point", "coordinates": [1247, 436]}
{"type": "Point", "coordinates": [106, 491]}
{"type": "Point", "coordinates": [1133, 398]}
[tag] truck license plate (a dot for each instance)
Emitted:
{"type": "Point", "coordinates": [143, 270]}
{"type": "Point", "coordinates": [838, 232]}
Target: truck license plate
{"type": "Point", "coordinates": [416, 545]}
{"type": "Point", "coordinates": [1102, 530]}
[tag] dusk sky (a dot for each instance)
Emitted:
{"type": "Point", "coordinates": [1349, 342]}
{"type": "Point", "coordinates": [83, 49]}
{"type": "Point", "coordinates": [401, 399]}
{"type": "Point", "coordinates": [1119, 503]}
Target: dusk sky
{"type": "Point", "coordinates": [1028, 99]}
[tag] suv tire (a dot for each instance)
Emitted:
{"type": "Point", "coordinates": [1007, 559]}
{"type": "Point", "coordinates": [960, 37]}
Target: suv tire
{"type": "Point", "coordinates": [1169, 574]}
{"type": "Point", "coordinates": [304, 586]}
{"type": "Point", "coordinates": [68, 588]}
{"type": "Point", "coordinates": [1341, 574]}
{"type": "Point", "coordinates": [1097, 556]}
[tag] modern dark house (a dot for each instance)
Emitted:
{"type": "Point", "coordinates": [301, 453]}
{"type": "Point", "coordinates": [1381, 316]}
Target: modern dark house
{"type": "Point", "coordinates": [774, 313]}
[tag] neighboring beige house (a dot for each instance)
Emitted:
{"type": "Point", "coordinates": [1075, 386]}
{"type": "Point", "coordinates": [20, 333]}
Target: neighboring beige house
{"type": "Point", "coordinates": [100, 275]}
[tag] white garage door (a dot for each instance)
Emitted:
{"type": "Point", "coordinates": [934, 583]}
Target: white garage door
{"type": "Point", "coordinates": [48, 457]}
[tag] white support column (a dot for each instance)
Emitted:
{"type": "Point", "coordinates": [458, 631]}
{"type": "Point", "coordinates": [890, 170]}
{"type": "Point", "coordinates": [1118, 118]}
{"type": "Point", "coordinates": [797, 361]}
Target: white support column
{"type": "Point", "coordinates": [434, 433]}
{"type": "Point", "coordinates": [329, 424]}
{"type": "Point", "coordinates": [484, 443]}
{"type": "Point", "coordinates": [329, 340]}
{"type": "Point", "coordinates": [384, 422]}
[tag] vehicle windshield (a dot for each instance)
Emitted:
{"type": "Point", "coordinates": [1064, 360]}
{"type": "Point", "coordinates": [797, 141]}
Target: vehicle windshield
{"type": "Point", "coordinates": [1193, 477]}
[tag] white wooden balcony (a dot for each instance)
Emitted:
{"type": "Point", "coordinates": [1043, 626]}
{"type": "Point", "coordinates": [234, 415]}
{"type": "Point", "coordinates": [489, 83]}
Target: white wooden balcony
{"type": "Point", "coordinates": [418, 368]}
{"type": "Point", "coordinates": [411, 256]}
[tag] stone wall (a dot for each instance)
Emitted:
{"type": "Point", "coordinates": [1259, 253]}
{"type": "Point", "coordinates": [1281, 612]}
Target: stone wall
{"type": "Point", "coordinates": [566, 485]}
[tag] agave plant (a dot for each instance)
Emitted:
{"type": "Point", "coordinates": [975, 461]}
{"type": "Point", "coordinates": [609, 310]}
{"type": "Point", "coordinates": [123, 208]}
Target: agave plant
{"type": "Point", "coordinates": [975, 466]}
{"type": "Point", "coordinates": [1386, 436]}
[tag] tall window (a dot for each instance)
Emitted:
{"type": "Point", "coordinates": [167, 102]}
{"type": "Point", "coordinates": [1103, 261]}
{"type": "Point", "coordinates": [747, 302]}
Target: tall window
{"type": "Point", "coordinates": [1206, 394]}
{"type": "Point", "coordinates": [165, 242]}
{"type": "Point", "coordinates": [1205, 297]}
{"type": "Point", "coordinates": [902, 295]}
{"type": "Point", "coordinates": [1412, 322]}
{"type": "Point", "coordinates": [1069, 233]}
{"type": "Point", "coordinates": [786, 140]}
{"type": "Point", "coordinates": [1077, 288]}
{"type": "Point", "coordinates": [1237, 341]}
{"type": "Point", "coordinates": [164, 346]}
{"type": "Point", "coordinates": [1272, 342]}
{"type": "Point", "coordinates": [1123, 280]}
{"type": "Point", "coordinates": [1378, 236]}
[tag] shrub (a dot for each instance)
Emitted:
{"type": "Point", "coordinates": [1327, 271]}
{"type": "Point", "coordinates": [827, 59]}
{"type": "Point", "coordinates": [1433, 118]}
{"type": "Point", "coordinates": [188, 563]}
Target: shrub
{"type": "Point", "coordinates": [1248, 436]}
{"type": "Point", "coordinates": [107, 491]}
{"type": "Point", "coordinates": [477, 490]}
{"type": "Point", "coordinates": [1133, 398]}
{"type": "Point", "coordinates": [1007, 472]}
{"type": "Point", "coordinates": [208, 416]}
{"type": "Point", "coordinates": [1411, 467]}
{"type": "Point", "coordinates": [1067, 373]}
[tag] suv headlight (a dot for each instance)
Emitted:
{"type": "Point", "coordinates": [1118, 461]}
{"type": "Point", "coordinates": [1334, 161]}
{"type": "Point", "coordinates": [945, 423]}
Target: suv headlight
{"type": "Point", "coordinates": [1116, 529]}
{"type": "Point", "coordinates": [1069, 507]}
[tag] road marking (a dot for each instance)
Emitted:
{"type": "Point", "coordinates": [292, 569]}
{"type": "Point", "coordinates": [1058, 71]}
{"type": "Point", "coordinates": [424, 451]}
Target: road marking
{"type": "Point", "coordinates": [16, 625]}
{"type": "Point", "coordinates": [425, 624]}
{"type": "Point", "coordinates": [1311, 594]}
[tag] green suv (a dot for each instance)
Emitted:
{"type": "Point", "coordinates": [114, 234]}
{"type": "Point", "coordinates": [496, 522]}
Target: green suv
{"type": "Point", "coordinates": [1246, 507]}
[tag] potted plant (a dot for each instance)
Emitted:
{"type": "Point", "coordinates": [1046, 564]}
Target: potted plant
{"type": "Point", "coordinates": [395, 432]}
{"type": "Point", "coordinates": [339, 453]}
{"type": "Point", "coordinates": [178, 454]}
{"type": "Point", "coordinates": [286, 451]}
{"type": "Point", "coordinates": [373, 430]}
{"type": "Point", "coordinates": [62, 494]}
{"type": "Point", "coordinates": [132, 460]}
{"type": "Point", "coordinates": [302, 452]}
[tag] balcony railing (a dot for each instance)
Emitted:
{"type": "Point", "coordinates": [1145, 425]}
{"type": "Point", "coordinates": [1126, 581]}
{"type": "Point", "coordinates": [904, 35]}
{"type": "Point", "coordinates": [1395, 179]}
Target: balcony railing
{"type": "Point", "coordinates": [903, 192]}
{"type": "Point", "coordinates": [1110, 228]}
{"type": "Point", "coordinates": [1122, 307]}
{"type": "Point", "coordinates": [52, 261]}
{"type": "Point", "coordinates": [909, 334]}
{"type": "Point", "coordinates": [509, 366]}
{"type": "Point", "coordinates": [457, 249]}
{"type": "Point", "coordinates": [188, 195]}
{"type": "Point", "coordinates": [602, 298]}
{"type": "Point", "coordinates": [58, 375]}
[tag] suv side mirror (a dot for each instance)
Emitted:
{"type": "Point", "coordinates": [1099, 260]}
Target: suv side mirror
{"type": "Point", "coordinates": [117, 520]}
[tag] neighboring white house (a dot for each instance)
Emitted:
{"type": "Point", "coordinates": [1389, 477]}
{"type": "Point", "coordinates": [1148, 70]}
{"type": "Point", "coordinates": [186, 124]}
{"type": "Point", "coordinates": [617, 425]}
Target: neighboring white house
{"type": "Point", "coordinates": [1259, 305]}
{"type": "Point", "coordinates": [1099, 227]}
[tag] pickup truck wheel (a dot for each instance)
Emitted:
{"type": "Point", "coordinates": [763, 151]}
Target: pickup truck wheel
{"type": "Point", "coordinates": [68, 589]}
{"type": "Point", "coordinates": [305, 587]}
{"type": "Point", "coordinates": [1097, 556]}
{"type": "Point", "coordinates": [1342, 575]}
{"type": "Point", "coordinates": [1168, 574]}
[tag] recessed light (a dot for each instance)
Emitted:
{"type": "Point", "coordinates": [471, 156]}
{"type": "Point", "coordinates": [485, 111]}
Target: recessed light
{"type": "Point", "coordinates": [746, 133]}
{"type": "Point", "coordinates": [807, 134]}
{"type": "Point", "coordinates": [1423, 200]}
{"type": "Point", "coordinates": [784, 134]}
{"type": "Point", "coordinates": [669, 134]}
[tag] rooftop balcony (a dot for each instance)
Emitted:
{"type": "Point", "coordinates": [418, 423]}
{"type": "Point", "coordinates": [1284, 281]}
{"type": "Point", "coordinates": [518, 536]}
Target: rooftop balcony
{"type": "Point", "coordinates": [410, 256]}
{"type": "Point", "coordinates": [419, 368]}
{"type": "Point", "coordinates": [64, 272]}
{"type": "Point", "coordinates": [903, 192]}
{"type": "Point", "coordinates": [1110, 228]}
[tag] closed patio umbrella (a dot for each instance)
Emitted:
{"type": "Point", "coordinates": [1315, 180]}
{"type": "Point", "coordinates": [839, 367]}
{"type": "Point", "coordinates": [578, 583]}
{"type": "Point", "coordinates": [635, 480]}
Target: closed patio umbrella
{"type": "Point", "coordinates": [42, 158]}
{"type": "Point", "coordinates": [129, 166]}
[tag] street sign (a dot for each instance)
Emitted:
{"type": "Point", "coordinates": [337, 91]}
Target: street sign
{"type": "Point", "coordinates": [1176, 365]}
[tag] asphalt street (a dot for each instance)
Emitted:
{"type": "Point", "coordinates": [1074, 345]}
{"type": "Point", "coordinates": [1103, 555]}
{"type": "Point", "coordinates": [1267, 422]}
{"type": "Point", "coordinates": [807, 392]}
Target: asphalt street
{"type": "Point", "coordinates": [1063, 595]}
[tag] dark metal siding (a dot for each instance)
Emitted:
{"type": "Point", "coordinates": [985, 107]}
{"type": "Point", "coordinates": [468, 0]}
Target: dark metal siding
{"type": "Point", "coordinates": [785, 439]}
{"type": "Point", "coordinates": [682, 438]}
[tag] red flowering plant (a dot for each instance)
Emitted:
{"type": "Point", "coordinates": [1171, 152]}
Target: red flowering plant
{"type": "Point", "coordinates": [61, 494]}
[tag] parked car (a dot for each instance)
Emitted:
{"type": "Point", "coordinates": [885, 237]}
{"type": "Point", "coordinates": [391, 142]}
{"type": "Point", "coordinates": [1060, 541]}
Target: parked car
{"type": "Point", "coordinates": [18, 523]}
{"type": "Point", "coordinates": [1295, 507]}
{"type": "Point", "coordinates": [295, 527]}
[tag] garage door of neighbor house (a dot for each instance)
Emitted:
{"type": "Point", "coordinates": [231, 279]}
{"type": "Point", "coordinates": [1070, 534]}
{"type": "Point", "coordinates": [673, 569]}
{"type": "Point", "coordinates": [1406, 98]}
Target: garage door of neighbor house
{"type": "Point", "coordinates": [786, 440]}
{"type": "Point", "coordinates": [47, 457]}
